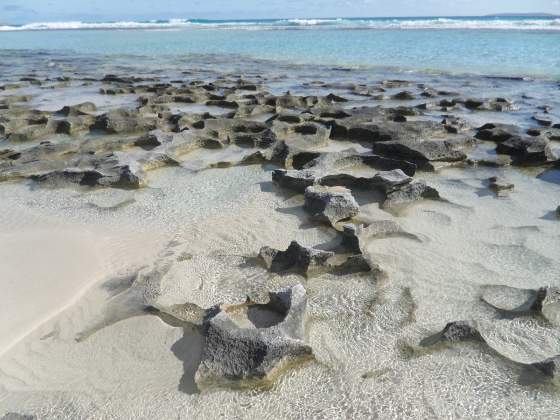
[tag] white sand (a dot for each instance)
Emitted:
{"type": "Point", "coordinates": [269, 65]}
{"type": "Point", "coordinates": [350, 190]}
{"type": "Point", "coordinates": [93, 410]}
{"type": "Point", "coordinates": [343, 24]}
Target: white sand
{"type": "Point", "coordinates": [46, 265]}
{"type": "Point", "coordinates": [42, 271]}
{"type": "Point", "coordinates": [358, 328]}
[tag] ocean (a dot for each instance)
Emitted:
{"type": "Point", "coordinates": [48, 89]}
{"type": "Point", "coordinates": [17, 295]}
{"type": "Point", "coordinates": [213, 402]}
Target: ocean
{"type": "Point", "coordinates": [498, 46]}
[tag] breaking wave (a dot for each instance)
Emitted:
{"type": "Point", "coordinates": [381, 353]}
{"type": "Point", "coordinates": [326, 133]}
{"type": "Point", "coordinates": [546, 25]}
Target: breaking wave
{"type": "Point", "coordinates": [489, 23]}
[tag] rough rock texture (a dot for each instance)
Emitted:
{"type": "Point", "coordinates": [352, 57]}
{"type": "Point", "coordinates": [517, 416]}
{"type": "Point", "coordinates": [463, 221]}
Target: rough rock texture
{"type": "Point", "coordinates": [410, 193]}
{"type": "Point", "coordinates": [330, 204]}
{"type": "Point", "coordinates": [296, 259]}
{"type": "Point", "coordinates": [527, 149]}
{"type": "Point", "coordinates": [355, 264]}
{"type": "Point", "coordinates": [293, 179]}
{"type": "Point", "coordinates": [453, 332]}
{"type": "Point", "coordinates": [123, 121]}
{"type": "Point", "coordinates": [241, 352]}
{"type": "Point", "coordinates": [496, 132]}
{"type": "Point", "coordinates": [420, 152]}
{"type": "Point", "coordinates": [499, 186]}
{"type": "Point", "coordinates": [116, 177]}
{"type": "Point", "coordinates": [355, 237]}
{"type": "Point", "coordinates": [390, 181]}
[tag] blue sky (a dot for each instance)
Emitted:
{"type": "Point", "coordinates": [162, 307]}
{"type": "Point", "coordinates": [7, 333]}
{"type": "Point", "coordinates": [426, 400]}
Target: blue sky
{"type": "Point", "coordinates": [20, 11]}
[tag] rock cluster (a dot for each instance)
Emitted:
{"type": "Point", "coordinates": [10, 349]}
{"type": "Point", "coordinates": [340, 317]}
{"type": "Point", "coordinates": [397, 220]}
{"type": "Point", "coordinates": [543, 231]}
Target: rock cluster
{"type": "Point", "coordinates": [299, 136]}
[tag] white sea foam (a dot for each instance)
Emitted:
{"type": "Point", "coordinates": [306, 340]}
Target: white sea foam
{"type": "Point", "coordinates": [528, 24]}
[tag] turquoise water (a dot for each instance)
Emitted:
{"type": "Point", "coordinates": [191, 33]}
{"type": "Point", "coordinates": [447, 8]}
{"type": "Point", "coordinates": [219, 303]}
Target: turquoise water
{"type": "Point", "coordinates": [504, 47]}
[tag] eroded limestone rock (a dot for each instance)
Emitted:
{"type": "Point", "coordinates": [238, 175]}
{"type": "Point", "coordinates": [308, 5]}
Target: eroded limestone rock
{"type": "Point", "coordinates": [296, 259]}
{"type": "Point", "coordinates": [330, 204]}
{"type": "Point", "coordinates": [250, 344]}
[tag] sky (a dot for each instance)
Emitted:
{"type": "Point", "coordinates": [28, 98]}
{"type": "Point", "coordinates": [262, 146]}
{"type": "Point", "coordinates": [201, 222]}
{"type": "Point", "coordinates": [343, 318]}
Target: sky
{"type": "Point", "coordinates": [24, 11]}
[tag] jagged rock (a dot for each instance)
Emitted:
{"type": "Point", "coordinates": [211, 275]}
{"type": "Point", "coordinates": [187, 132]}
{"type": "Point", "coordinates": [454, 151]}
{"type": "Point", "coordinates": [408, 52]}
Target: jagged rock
{"type": "Point", "coordinates": [263, 139]}
{"type": "Point", "coordinates": [296, 259]}
{"type": "Point", "coordinates": [31, 132]}
{"type": "Point", "coordinates": [410, 193]}
{"type": "Point", "coordinates": [339, 161]}
{"type": "Point", "coordinates": [473, 103]}
{"type": "Point", "coordinates": [123, 121]}
{"type": "Point", "coordinates": [404, 96]}
{"type": "Point", "coordinates": [330, 204]}
{"type": "Point", "coordinates": [453, 332]}
{"type": "Point", "coordinates": [455, 125]}
{"type": "Point", "coordinates": [115, 177]}
{"type": "Point", "coordinates": [389, 181]}
{"type": "Point", "coordinates": [302, 136]}
{"type": "Point", "coordinates": [429, 93]}
{"type": "Point", "coordinates": [152, 140]}
{"type": "Point", "coordinates": [353, 265]}
{"type": "Point", "coordinates": [498, 104]}
{"type": "Point", "coordinates": [353, 237]}
{"type": "Point", "coordinates": [533, 148]}
{"type": "Point", "coordinates": [388, 164]}
{"type": "Point", "coordinates": [289, 118]}
{"type": "Point", "coordinates": [333, 113]}
{"type": "Point", "coordinates": [499, 186]}
{"type": "Point", "coordinates": [293, 179]}
{"type": "Point", "coordinates": [299, 180]}
{"type": "Point", "coordinates": [350, 240]}
{"type": "Point", "coordinates": [286, 101]}
{"type": "Point", "coordinates": [527, 149]}
{"type": "Point", "coordinates": [552, 134]}
{"type": "Point", "coordinates": [331, 97]}
{"type": "Point", "coordinates": [344, 180]}
{"type": "Point", "coordinates": [542, 120]}
{"type": "Point", "coordinates": [72, 124]}
{"type": "Point", "coordinates": [420, 152]}
{"type": "Point", "coordinates": [502, 105]}
{"type": "Point", "coordinates": [112, 78]}
{"type": "Point", "coordinates": [250, 344]}
{"type": "Point", "coordinates": [496, 132]}
{"type": "Point", "coordinates": [390, 84]}
{"type": "Point", "coordinates": [370, 125]}
{"type": "Point", "coordinates": [448, 103]}
{"type": "Point", "coordinates": [79, 109]}
{"type": "Point", "coordinates": [222, 103]}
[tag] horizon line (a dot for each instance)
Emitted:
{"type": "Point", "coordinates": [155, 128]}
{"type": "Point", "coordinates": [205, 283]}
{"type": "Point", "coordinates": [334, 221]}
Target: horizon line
{"type": "Point", "coordinates": [238, 19]}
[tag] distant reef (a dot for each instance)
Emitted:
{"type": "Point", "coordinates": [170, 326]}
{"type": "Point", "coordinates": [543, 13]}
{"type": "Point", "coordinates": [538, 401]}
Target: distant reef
{"type": "Point", "coordinates": [546, 15]}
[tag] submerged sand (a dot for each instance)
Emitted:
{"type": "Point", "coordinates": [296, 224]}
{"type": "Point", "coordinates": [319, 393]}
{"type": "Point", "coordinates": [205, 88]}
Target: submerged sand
{"type": "Point", "coordinates": [67, 252]}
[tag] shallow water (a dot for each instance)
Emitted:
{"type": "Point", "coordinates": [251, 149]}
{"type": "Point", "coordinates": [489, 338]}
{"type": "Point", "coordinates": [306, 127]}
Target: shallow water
{"type": "Point", "coordinates": [482, 50]}
{"type": "Point", "coordinates": [365, 331]}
